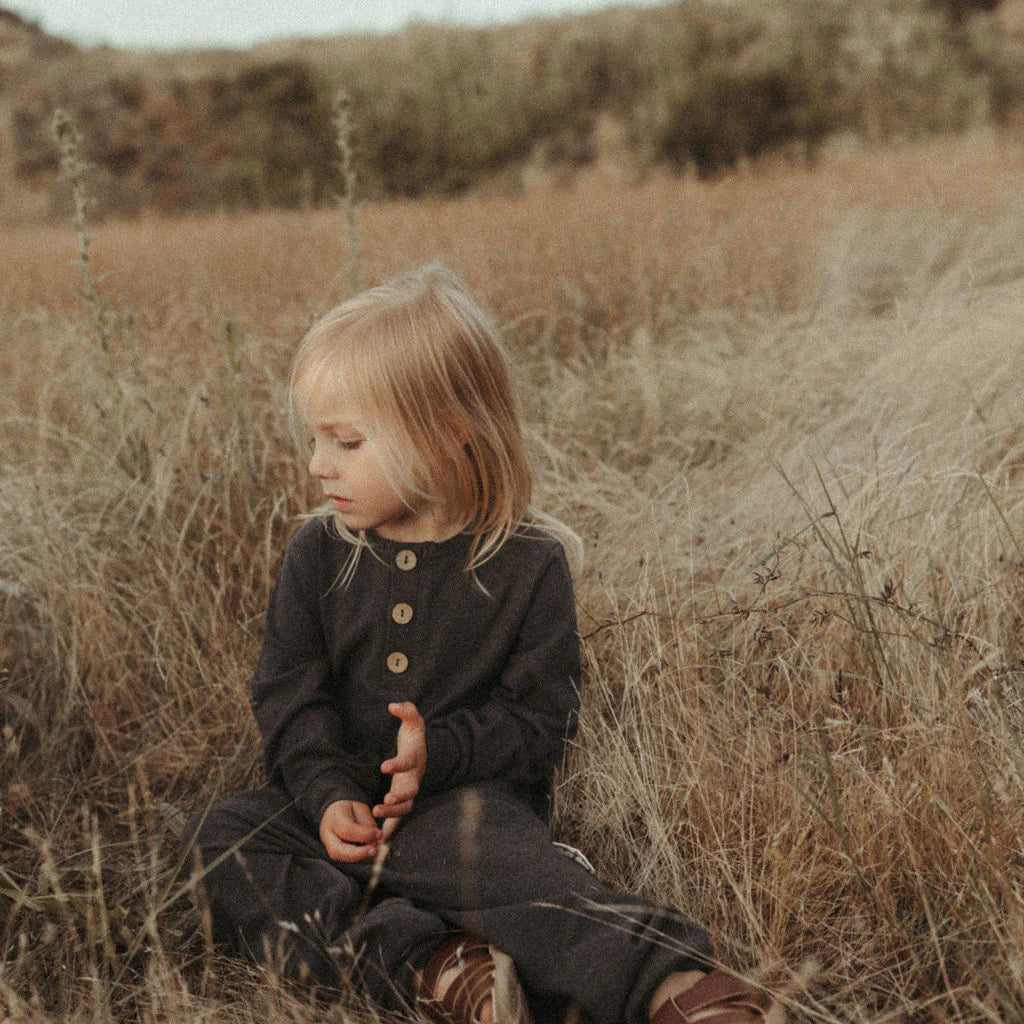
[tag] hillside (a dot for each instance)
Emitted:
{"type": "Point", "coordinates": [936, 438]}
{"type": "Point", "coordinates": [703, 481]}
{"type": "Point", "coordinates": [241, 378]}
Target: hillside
{"type": "Point", "coordinates": [692, 86]}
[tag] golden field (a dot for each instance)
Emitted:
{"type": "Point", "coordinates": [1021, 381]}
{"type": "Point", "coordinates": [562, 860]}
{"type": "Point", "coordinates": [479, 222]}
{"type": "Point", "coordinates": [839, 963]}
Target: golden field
{"type": "Point", "coordinates": [782, 408]}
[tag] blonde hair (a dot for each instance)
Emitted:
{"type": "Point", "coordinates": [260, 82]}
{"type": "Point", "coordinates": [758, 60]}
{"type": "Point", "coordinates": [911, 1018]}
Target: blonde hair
{"type": "Point", "coordinates": [423, 369]}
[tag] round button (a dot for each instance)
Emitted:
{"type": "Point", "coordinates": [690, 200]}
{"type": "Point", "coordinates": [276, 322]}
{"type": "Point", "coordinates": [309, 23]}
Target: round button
{"type": "Point", "coordinates": [406, 559]}
{"type": "Point", "coordinates": [401, 613]}
{"type": "Point", "coordinates": [397, 662]}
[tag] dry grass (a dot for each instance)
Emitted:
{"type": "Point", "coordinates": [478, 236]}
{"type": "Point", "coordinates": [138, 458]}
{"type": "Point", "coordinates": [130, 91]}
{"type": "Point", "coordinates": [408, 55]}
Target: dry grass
{"type": "Point", "coordinates": [784, 411]}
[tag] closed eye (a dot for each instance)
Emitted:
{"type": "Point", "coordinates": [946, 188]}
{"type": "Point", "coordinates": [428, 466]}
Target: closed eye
{"type": "Point", "coordinates": [346, 444]}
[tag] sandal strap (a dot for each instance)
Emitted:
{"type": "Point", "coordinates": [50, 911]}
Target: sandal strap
{"type": "Point", "coordinates": [737, 1000]}
{"type": "Point", "coordinates": [471, 987]}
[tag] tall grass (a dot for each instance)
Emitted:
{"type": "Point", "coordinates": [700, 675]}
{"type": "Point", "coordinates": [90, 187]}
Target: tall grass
{"type": "Point", "coordinates": [783, 409]}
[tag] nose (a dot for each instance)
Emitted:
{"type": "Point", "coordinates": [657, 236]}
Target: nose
{"type": "Point", "coordinates": [319, 464]}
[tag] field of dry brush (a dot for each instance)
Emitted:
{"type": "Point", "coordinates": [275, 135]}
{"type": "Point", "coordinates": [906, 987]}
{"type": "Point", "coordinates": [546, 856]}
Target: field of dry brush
{"type": "Point", "coordinates": [783, 409]}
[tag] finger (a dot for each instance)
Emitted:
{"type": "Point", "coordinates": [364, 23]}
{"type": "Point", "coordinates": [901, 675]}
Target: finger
{"type": "Point", "coordinates": [396, 810]}
{"type": "Point", "coordinates": [338, 848]}
{"type": "Point", "coordinates": [362, 815]}
{"type": "Point", "coordinates": [398, 763]}
{"type": "Point", "coordinates": [357, 832]}
{"type": "Point", "coordinates": [407, 712]}
{"type": "Point", "coordinates": [350, 853]}
{"type": "Point", "coordinates": [403, 787]}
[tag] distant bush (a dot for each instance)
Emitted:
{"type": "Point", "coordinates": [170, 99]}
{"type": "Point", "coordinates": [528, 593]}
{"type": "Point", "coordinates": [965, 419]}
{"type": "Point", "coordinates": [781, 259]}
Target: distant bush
{"type": "Point", "coordinates": [722, 93]}
{"type": "Point", "coordinates": [261, 137]}
{"type": "Point", "coordinates": [267, 126]}
{"type": "Point", "coordinates": [439, 109]}
{"type": "Point", "coordinates": [447, 108]}
{"type": "Point", "coordinates": [959, 10]}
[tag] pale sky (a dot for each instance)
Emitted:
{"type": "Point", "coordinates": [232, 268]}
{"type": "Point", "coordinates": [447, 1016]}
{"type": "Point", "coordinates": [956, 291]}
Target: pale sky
{"type": "Point", "coordinates": [171, 23]}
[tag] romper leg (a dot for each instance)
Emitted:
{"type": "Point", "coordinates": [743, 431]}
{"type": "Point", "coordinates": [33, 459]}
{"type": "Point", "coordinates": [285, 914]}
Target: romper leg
{"type": "Point", "coordinates": [283, 897]}
{"type": "Point", "coordinates": [496, 872]}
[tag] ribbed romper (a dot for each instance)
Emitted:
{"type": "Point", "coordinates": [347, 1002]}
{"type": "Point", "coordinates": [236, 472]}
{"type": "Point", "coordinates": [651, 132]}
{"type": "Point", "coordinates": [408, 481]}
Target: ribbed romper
{"type": "Point", "coordinates": [491, 659]}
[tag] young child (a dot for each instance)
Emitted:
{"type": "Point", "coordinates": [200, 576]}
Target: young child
{"type": "Point", "coordinates": [417, 684]}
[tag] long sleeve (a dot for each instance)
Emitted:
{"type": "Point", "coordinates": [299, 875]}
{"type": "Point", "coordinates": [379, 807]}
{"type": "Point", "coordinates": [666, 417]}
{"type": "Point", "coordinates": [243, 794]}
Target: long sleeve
{"type": "Point", "coordinates": [491, 660]}
{"type": "Point", "coordinates": [303, 749]}
{"type": "Point", "coordinates": [519, 734]}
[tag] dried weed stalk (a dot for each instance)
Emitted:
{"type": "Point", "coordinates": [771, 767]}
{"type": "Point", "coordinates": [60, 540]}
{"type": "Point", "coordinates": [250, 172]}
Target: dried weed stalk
{"type": "Point", "coordinates": [74, 169]}
{"type": "Point", "coordinates": [344, 135]}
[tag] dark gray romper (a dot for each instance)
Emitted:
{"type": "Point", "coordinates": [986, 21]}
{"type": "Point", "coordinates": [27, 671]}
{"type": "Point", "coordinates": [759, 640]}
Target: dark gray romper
{"type": "Point", "coordinates": [492, 664]}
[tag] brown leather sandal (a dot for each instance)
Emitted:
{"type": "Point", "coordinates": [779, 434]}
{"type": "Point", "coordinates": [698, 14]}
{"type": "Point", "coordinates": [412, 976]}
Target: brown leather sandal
{"type": "Point", "coordinates": [718, 998]}
{"type": "Point", "coordinates": [483, 973]}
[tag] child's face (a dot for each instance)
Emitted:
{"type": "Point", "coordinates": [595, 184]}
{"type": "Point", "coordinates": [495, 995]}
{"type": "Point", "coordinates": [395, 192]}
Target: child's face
{"type": "Point", "coordinates": [347, 466]}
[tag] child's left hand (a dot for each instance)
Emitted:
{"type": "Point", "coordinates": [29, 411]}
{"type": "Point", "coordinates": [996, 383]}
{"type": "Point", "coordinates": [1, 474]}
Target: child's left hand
{"type": "Point", "coordinates": [406, 767]}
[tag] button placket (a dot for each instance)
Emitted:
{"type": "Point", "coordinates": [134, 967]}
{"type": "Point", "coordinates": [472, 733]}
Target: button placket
{"type": "Point", "coordinates": [401, 612]}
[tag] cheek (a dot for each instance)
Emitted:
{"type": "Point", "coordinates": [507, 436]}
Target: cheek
{"type": "Point", "coordinates": [370, 471]}
{"type": "Point", "coordinates": [380, 483]}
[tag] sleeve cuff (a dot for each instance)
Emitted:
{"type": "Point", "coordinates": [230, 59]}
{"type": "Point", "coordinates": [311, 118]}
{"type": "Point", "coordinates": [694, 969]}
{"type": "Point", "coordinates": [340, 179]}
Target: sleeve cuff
{"type": "Point", "coordinates": [442, 757]}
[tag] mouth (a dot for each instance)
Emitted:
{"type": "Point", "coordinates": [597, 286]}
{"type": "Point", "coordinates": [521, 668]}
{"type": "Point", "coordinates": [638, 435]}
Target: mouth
{"type": "Point", "coordinates": [338, 502]}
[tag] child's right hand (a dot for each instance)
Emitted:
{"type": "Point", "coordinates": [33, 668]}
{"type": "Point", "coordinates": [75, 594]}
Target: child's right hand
{"type": "Point", "coordinates": [349, 832]}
